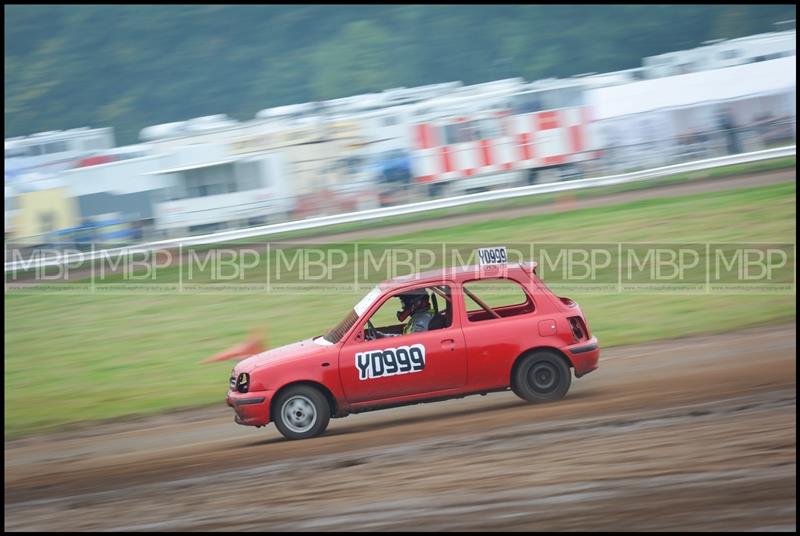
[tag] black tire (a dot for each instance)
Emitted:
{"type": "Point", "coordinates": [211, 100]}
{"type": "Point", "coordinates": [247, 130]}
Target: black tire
{"type": "Point", "coordinates": [541, 376]}
{"type": "Point", "coordinates": [301, 412]}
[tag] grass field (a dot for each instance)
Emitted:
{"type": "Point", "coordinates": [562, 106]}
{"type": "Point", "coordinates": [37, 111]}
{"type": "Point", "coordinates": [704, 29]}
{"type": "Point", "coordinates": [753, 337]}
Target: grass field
{"type": "Point", "coordinates": [77, 357]}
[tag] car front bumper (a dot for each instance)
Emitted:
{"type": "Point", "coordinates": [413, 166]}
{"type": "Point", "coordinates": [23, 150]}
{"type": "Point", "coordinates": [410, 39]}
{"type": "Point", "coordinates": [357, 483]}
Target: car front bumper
{"type": "Point", "coordinates": [252, 409]}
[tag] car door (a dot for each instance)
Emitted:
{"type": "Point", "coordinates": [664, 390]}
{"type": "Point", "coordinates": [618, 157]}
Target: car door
{"type": "Point", "coordinates": [495, 338]}
{"type": "Point", "coordinates": [410, 364]}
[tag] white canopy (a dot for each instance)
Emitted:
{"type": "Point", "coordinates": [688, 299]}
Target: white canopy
{"type": "Point", "coordinates": [749, 80]}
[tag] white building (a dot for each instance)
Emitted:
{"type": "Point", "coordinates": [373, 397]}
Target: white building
{"type": "Point", "coordinates": [50, 152]}
{"type": "Point", "coordinates": [650, 120]}
{"type": "Point", "coordinates": [723, 53]}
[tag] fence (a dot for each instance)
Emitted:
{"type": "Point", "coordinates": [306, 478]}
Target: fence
{"type": "Point", "coordinates": [695, 145]}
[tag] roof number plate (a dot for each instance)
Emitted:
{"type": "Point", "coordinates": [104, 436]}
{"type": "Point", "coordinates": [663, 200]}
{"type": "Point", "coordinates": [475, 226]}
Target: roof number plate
{"type": "Point", "coordinates": [489, 256]}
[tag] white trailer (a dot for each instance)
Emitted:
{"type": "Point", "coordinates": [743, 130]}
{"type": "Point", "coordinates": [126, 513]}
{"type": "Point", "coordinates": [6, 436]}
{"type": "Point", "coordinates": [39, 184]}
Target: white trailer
{"type": "Point", "coordinates": [225, 191]}
{"type": "Point", "coordinates": [508, 134]}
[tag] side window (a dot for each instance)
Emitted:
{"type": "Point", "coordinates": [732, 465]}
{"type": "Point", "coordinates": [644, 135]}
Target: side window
{"type": "Point", "coordinates": [474, 131]}
{"type": "Point", "coordinates": [487, 299]}
{"type": "Point", "coordinates": [551, 99]}
{"type": "Point", "coordinates": [458, 133]}
{"type": "Point", "coordinates": [490, 128]}
{"type": "Point", "coordinates": [463, 132]}
{"type": "Point", "coordinates": [450, 134]}
{"type": "Point", "coordinates": [572, 97]}
{"type": "Point", "coordinates": [526, 103]}
{"type": "Point", "coordinates": [420, 309]}
{"type": "Point", "coordinates": [247, 176]}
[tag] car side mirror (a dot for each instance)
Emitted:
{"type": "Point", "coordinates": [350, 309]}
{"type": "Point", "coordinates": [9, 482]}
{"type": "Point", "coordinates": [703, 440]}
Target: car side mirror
{"type": "Point", "coordinates": [359, 336]}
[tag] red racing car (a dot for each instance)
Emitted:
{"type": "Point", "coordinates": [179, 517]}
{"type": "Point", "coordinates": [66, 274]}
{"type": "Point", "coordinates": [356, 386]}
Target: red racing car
{"type": "Point", "coordinates": [473, 330]}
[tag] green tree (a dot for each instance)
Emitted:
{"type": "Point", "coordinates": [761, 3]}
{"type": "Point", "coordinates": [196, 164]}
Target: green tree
{"type": "Point", "coordinates": [358, 59]}
{"type": "Point", "coordinates": [130, 66]}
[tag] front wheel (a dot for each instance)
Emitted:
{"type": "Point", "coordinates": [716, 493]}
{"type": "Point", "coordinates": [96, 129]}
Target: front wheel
{"type": "Point", "coordinates": [301, 412]}
{"type": "Point", "coordinates": [541, 376]}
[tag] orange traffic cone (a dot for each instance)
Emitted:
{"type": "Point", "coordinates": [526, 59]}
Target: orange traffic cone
{"type": "Point", "coordinates": [253, 345]}
{"type": "Point", "coordinates": [566, 201]}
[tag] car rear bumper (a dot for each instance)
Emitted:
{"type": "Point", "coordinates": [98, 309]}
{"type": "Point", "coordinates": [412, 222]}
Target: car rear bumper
{"type": "Point", "coordinates": [252, 409]}
{"type": "Point", "coordinates": [585, 356]}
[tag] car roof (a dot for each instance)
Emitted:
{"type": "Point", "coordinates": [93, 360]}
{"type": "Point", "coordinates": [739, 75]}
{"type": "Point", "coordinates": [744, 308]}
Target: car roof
{"type": "Point", "coordinates": [462, 273]}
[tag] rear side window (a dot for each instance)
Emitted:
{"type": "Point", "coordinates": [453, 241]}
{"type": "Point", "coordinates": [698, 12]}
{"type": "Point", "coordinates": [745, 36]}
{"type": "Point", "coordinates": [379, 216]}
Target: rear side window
{"type": "Point", "coordinates": [488, 299]}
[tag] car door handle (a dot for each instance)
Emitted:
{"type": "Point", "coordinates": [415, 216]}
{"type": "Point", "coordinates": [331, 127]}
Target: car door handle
{"type": "Point", "coordinates": [449, 344]}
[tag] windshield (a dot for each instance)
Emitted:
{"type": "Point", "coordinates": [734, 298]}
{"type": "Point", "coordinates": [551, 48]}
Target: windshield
{"type": "Point", "coordinates": [336, 334]}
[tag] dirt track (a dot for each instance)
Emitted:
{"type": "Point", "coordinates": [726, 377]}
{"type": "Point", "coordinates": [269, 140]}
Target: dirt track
{"type": "Point", "coordinates": [696, 433]}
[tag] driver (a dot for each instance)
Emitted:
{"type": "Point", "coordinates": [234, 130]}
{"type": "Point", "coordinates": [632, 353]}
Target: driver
{"type": "Point", "coordinates": [417, 308]}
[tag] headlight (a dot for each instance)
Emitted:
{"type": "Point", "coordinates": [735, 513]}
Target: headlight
{"type": "Point", "coordinates": [243, 382]}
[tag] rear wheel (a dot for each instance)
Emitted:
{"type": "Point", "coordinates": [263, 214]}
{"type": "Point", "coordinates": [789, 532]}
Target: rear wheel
{"type": "Point", "coordinates": [301, 412]}
{"type": "Point", "coordinates": [541, 376]}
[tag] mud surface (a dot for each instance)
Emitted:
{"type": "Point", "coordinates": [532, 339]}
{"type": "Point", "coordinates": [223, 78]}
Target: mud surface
{"type": "Point", "coordinates": [689, 434]}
